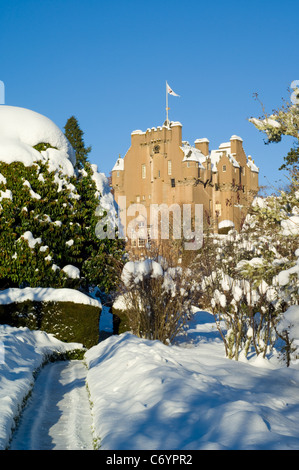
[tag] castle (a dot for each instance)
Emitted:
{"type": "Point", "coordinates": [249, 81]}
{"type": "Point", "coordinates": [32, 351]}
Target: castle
{"type": "Point", "coordinates": [161, 168]}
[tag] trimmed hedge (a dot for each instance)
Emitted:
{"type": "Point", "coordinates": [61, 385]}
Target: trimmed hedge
{"type": "Point", "coordinates": [120, 321]}
{"type": "Point", "coordinates": [67, 321]}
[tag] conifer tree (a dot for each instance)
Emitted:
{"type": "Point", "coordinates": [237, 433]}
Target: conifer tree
{"type": "Point", "coordinates": [74, 135]}
{"type": "Point", "coordinates": [48, 230]}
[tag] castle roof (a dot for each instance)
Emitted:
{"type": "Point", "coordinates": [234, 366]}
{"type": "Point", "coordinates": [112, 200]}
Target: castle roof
{"type": "Point", "coordinates": [192, 154]}
{"type": "Point", "coordinates": [119, 165]}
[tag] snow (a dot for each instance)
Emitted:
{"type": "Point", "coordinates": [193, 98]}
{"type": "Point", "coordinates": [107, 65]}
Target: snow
{"type": "Point", "coordinates": [283, 277]}
{"type": "Point", "coordinates": [236, 137]}
{"type": "Point", "coordinates": [21, 129]}
{"type": "Point", "coordinates": [290, 322]}
{"type": "Point", "coordinates": [46, 294]}
{"type": "Point", "coordinates": [30, 239]}
{"type": "Point", "coordinates": [71, 271]}
{"type": "Point", "coordinates": [59, 405]}
{"type": "Point", "coordinates": [226, 223]}
{"type": "Point", "coordinates": [192, 154]}
{"type": "Point", "coordinates": [262, 123]}
{"type": "Point", "coordinates": [24, 353]}
{"type": "Point", "coordinates": [189, 396]}
{"type": "Point", "coordinates": [107, 203]}
{"type": "Point", "coordinates": [290, 226]}
{"type": "Point", "coordinates": [184, 396]}
{"type": "Point", "coordinates": [2, 179]}
{"type": "Point", "coordinates": [251, 165]}
{"type": "Point", "coordinates": [119, 165]}
{"type": "Point", "coordinates": [6, 195]}
{"type": "Point", "coordinates": [33, 194]}
{"type": "Point", "coordinates": [259, 202]}
{"type": "Point", "coordinates": [121, 302]}
{"type": "Point", "coordinates": [134, 271]}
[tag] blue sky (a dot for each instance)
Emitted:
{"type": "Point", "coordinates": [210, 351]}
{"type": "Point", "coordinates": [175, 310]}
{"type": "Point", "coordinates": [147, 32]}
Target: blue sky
{"type": "Point", "coordinates": [106, 62]}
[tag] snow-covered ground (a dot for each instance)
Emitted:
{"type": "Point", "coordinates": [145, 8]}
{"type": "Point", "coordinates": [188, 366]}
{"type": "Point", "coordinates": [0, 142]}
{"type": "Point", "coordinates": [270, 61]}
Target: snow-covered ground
{"type": "Point", "coordinates": [22, 354]}
{"type": "Point", "coordinates": [146, 395]}
{"type": "Point", "coordinates": [58, 414]}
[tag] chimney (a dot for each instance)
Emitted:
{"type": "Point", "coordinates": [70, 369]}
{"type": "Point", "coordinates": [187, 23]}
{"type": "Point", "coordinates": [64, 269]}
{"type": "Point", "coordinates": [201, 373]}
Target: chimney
{"type": "Point", "coordinates": [236, 145]}
{"type": "Point", "coordinates": [203, 146]}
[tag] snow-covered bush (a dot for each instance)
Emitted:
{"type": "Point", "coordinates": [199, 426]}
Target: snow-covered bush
{"type": "Point", "coordinates": [49, 209]}
{"type": "Point", "coordinates": [288, 328]}
{"type": "Point", "coordinates": [249, 279]}
{"type": "Point", "coordinates": [158, 299]}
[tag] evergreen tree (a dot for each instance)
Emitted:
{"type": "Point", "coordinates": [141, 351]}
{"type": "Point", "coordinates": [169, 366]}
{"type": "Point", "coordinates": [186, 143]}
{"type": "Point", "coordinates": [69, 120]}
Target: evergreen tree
{"type": "Point", "coordinates": [74, 135]}
{"type": "Point", "coordinates": [48, 230]}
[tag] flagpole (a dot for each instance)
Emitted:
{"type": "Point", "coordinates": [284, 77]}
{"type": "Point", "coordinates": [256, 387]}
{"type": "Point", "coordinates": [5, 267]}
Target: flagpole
{"type": "Point", "coordinates": [166, 104]}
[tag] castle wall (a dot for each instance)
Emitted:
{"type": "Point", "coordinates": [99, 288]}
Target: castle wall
{"type": "Point", "coordinates": [156, 172]}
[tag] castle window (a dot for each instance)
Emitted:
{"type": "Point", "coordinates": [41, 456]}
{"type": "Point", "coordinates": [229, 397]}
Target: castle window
{"type": "Point", "coordinates": [224, 168]}
{"type": "Point", "coordinates": [141, 242]}
{"type": "Point", "coordinates": [137, 198]}
{"type": "Point", "coordinates": [218, 210]}
{"type": "Point", "coordinates": [169, 167]}
{"type": "Point", "coordinates": [143, 171]}
{"type": "Point", "coordinates": [117, 173]}
{"type": "Point", "coordinates": [172, 182]}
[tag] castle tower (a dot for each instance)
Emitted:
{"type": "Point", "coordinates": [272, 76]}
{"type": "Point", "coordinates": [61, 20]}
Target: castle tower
{"type": "Point", "coordinates": [160, 168]}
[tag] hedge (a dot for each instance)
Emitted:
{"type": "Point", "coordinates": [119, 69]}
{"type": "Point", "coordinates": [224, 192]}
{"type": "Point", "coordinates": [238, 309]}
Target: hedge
{"type": "Point", "coordinates": [67, 321]}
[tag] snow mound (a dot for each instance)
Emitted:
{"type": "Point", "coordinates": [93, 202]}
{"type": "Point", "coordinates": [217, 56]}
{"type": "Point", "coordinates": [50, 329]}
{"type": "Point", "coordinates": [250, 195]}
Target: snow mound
{"type": "Point", "coordinates": [226, 223]}
{"type": "Point", "coordinates": [46, 294]}
{"type": "Point", "coordinates": [71, 271]}
{"type": "Point", "coordinates": [189, 397]}
{"type": "Point", "coordinates": [21, 129]}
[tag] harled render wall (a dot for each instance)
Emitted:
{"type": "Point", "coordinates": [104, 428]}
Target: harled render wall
{"type": "Point", "coordinates": [155, 173]}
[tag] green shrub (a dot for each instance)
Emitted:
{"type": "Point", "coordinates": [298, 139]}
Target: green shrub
{"type": "Point", "coordinates": [67, 321]}
{"type": "Point", "coordinates": [120, 321]}
{"type": "Point", "coordinates": [48, 221]}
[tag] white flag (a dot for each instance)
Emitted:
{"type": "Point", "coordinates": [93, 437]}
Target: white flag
{"type": "Point", "coordinates": [170, 91]}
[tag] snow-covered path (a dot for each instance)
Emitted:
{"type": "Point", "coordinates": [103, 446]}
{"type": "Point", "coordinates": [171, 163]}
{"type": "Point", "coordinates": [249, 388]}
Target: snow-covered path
{"type": "Point", "coordinates": [57, 416]}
